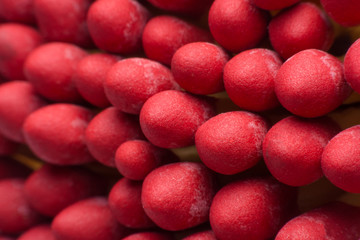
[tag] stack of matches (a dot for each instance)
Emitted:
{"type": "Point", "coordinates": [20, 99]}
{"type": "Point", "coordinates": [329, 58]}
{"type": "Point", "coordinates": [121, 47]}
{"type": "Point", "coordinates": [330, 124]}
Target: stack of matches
{"type": "Point", "coordinates": [181, 119]}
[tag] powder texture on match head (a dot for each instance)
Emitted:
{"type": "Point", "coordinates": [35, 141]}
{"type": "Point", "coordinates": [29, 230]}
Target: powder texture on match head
{"type": "Point", "coordinates": [341, 160]}
{"type": "Point", "coordinates": [56, 134]}
{"type": "Point", "coordinates": [237, 25]}
{"type": "Point", "coordinates": [303, 26]}
{"type": "Point", "coordinates": [251, 209]}
{"type": "Point", "coordinates": [89, 219]}
{"type": "Point", "coordinates": [51, 67]}
{"type": "Point", "coordinates": [163, 35]}
{"type": "Point", "coordinates": [137, 158]}
{"type": "Point", "coordinates": [125, 204]}
{"type": "Point", "coordinates": [331, 221]}
{"type": "Point", "coordinates": [231, 142]}
{"type": "Point", "coordinates": [117, 25]}
{"type": "Point", "coordinates": [107, 130]}
{"type": "Point", "coordinates": [198, 67]}
{"type": "Point", "coordinates": [293, 147]}
{"type": "Point", "coordinates": [169, 119]}
{"type": "Point", "coordinates": [130, 82]}
{"type": "Point", "coordinates": [311, 83]}
{"type": "Point", "coordinates": [249, 79]}
{"type": "Point", "coordinates": [177, 196]}
{"type": "Point", "coordinates": [90, 76]}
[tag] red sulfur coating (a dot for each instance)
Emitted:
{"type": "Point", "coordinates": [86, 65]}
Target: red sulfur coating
{"type": "Point", "coordinates": [91, 74]}
{"type": "Point", "coordinates": [89, 219]}
{"type": "Point", "coordinates": [204, 235]}
{"type": "Point", "coordinates": [40, 232]}
{"type": "Point", "coordinates": [344, 12]}
{"type": "Point", "coordinates": [352, 66]}
{"type": "Point", "coordinates": [311, 83]}
{"type": "Point", "coordinates": [125, 204]}
{"type": "Point", "coordinates": [167, 124]}
{"type": "Point", "coordinates": [237, 24]}
{"type": "Point", "coordinates": [341, 160]}
{"type": "Point", "coordinates": [163, 35]}
{"type": "Point", "coordinates": [177, 196]}
{"type": "Point", "coordinates": [50, 189]}
{"type": "Point", "coordinates": [249, 79]}
{"type": "Point", "coordinates": [116, 25]}
{"type": "Point", "coordinates": [293, 147]}
{"type": "Point", "coordinates": [136, 158]}
{"type": "Point", "coordinates": [301, 27]}
{"type": "Point", "coordinates": [182, 6]}
{"type": "Point", "coordinates": [274, 4]}
{"type": "Point", "coordinates": [198, 67]}
{"type": "Point", "coordinates": [149, 236]}
{"type": "Point", "coordinates": [16, 215]}
{"type": "Point", "coordinates": [17, 11]}
{"type": "Point", "coordinates": [51, 69]}
{"type": "Point", "coordinates": [63, 21]}
{"type": "Point", "coordinates": [17, 101]}
{"type": "Point", "coordinates": [56, 134]}
{"type": "Point", "coordinates": [107, 130]}
{"type": "Point", "coordinates": [231, 142]}
{"type": "Point", "coordinates": [332, 221]}
{"type": "Point", "coordinates": [253, 209]}
{"type": "Point", "coordinates": [132, 81]}
{"type": "Point", "coordinates": [16, 42]}
{"type": "Point", "coordinates": [7, 146]}
{"type": "Point", "coordinates": [10, 168]}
